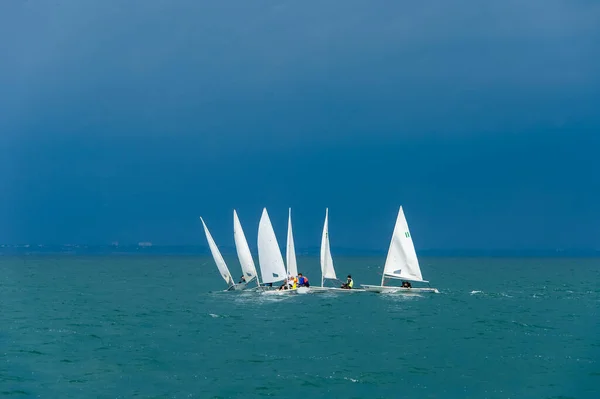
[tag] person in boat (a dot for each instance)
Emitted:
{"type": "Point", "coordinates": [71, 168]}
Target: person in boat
{"type": "Point", "coordinates": [348, 284]}
{"type": "Point", "coordinates": [242, 280]}
{"type": "Point", "coordinates": [288, 284]}
{"type": "Point", "coordinates": [302, 281]}
{"type": "Point", "coordinates": [406, 284]}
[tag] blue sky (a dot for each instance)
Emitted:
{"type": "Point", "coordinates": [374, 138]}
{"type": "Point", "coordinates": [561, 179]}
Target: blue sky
{"type": "Point", "coordinates": [128, 120]}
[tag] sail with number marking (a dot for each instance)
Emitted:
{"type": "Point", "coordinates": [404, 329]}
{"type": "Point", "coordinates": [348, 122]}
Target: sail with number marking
{"type": "Point", "coordinates": [402, 261]}
{"type": "Point", "coordinates": [272, 268]}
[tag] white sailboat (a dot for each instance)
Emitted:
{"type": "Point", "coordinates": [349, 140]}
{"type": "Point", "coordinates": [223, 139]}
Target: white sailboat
{"type": "Point", "coordinates": [327, 269]}
{"type": "Point", "coordinates": [401, 262]}
{"type": "Point", "coordinates": [221, 265]}
{"type": "Point", "coordinates": [290, 253]}
{"type": "Point", "coordinates": [290, 256]}
{"type": "Point", "coordinates": [243, 251]}
{"type": "Point", "coordinates": [272, 268]}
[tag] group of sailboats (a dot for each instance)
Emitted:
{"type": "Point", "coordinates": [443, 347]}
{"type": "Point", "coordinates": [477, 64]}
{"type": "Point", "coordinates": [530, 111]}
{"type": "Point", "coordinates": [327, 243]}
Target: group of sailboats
{"type": "Point", "coordinates": [271, 263]}
{"type": "Point", "coordinates": [401, 262]}
{"type": "Point", "coordinates": [243, 252]}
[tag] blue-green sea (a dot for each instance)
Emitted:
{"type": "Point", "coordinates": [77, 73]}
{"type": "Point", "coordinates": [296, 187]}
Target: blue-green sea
{"type": "Point", "coordinates": [160, 327]}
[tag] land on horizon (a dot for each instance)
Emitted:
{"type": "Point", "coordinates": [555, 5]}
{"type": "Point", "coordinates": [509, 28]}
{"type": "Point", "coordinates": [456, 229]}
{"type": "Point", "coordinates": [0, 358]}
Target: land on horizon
{"type": "Point", "coordinates": [144, 248]}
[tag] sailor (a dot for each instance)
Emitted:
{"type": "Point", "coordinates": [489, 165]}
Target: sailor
{"type": "Point", "coordinates": [302, 281]}
{"type": "Point", "coordinates": [349, 283]}
{"type": "Point", "coordinates": [242, 279]}
{"type": "Point", "coordinates": [406, 284]}
{"type": "Point", "coordinates": [292, 283]}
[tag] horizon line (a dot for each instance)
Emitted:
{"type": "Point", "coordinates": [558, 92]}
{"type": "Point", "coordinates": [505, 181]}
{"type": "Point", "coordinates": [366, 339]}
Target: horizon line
{"type": "Point", "coordinates": [185, 249]}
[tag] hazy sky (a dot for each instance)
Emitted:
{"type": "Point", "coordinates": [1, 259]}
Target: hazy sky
{"type": "Point", "coordinates": [126, 120]}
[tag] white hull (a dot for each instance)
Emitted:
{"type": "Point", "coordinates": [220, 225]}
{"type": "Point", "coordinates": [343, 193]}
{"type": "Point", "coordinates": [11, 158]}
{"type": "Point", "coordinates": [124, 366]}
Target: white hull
{"type": "Point", "coordinates": [280, 292]}
{"type": "Point", "coordinates": [238, 287]}
{"type": "Point", "coordinates": [398, 290]}
{"type": "Point", "coordinates": [264, 288]}
{"type": "Point", "coordinates": [299, 290]}
{"type": "Point", "coordinates": [309, 290]}
{"type": "Point", "coordinates": [334, 289]}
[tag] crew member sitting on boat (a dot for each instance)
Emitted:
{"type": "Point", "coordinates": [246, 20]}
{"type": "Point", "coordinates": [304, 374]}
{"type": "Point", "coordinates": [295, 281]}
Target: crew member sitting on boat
{"type": "Point", "coordinates": [406, 284]}
{"type": "Point", "coordinates": [289, 284]}
{"type": "Point", "coordinates": [302, 281]}
{"type": "Point", "coordinates": [349, 283]}
{"type": "Point", "coordinates": [242, 279]}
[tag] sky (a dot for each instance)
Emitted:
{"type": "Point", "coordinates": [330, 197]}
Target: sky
{"type": "Point", "coordinates": [126, 121]}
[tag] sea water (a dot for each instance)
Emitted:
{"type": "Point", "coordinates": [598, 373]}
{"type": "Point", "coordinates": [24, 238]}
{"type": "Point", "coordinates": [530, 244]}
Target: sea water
{"type": "Point", "coordinates": [161, 327]}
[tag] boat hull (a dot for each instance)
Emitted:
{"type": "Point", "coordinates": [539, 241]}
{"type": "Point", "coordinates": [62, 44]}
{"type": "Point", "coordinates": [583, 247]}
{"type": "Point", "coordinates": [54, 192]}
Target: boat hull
{"type": "Point", "coordinates": [238, 287]}
{"type": "Point", "coordinates": [334, 289]}
{"type": "Point", "coordinates": [281, 292]}
{"type": "Point", "coordinates": [310, 290]}
{"type": "Point", "coordinates": [398, 290]}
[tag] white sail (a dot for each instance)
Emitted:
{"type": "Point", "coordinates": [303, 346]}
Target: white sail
{"type": "Point", "coordinates": [327, 270]}
{"type": "Point", "coordinates": [290, 254]}
{"type": "Point", "coordinates": [270, 260]}
{"type": "Point", "coordinates": [401, 261]}
{"type": "Point", "coordinates": [221, 265]}
{"type": "Point", "coordinates": [243, 250]}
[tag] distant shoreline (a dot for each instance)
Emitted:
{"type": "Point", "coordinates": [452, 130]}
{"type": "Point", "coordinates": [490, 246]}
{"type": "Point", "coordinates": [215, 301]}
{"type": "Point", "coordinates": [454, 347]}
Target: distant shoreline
{"type": "Point", "coordinates": [158, 250]}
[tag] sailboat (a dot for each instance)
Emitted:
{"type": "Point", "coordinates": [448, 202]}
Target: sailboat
{"type": "Point", "coordinates": [401, 262]}
{"type": "Point", "coordinates": [243, 251]}
{"type": "Point", "coordinates": [290, 253]}
{"type": "Point", "coordinates": [327, 269]}
{"type": "Point", "coordinates": [221, 265]}
{"type": "Point", "coordinates": [270, 260]}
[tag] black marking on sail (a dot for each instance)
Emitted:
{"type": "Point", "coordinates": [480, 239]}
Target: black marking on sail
{"type": "Point", "coordinates": [275, 275]}
{"type": "Point", "coordinates": [397, 271]}
{"type": "Point", "coordinates": [248, 274]}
